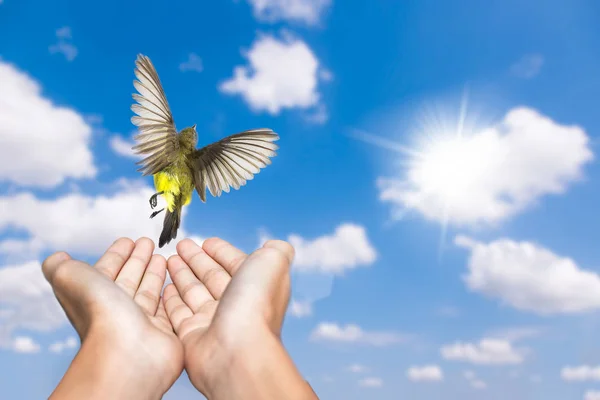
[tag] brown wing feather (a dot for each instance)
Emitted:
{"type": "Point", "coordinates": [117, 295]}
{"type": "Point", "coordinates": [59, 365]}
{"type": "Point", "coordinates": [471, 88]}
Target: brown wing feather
{"type": "Point", "coordinates": [232, 161]}
{"type": "Point", "coordinates": [157, 139]}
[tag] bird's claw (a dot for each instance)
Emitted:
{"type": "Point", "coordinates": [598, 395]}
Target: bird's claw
{"type": "Point", "coordinates": [153, 201]}
{"type": "Point", "coordinates": [155, 213]}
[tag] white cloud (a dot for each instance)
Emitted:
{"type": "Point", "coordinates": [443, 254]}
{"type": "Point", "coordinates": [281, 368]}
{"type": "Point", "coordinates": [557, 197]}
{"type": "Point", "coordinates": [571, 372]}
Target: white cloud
{"type": "Point", "coordinates": [513, 334]}
{"type": "Point", "coordinates": [64, 33]}
{"type": "Point", "coordinates": [300, 309]}
{"type": "Point", "coordinates": [478, 384]}
{"type": "Point", "coordinates": [469, 375]}
{"type": "Point", "coordinates": [486, 352]}
{"type": "Point", "coordinates": [25, 344]}
{"type": "Point", "coordinates": [493, 174]}
{"type": "Point", "coordinates": [122, 147]}
{"type": "Point", "coordinates": [55, 139]}
{"type": "Point", "coordinates": [529, 277]}
{"type": "Point", "coordinates": [475, 382]}
{"type": "Point", "coordinates": [591, 395]}
{"type": "Point", "coordinates": [68, 344]}
{"type": "Point", "coordinates": [347, 248]}
{"type": "Point", "coordinates": [371, 382]}
{"type": "Point", "coordinates": [193, 63]}
{"type": "Point", "coordinates": [28, 297]}
{"type": "Point", "coordinates": [528, 66]}
{"type": "Point", "coordinates": [308, 12]}
{"type": "Point", "coordinates": [318, 116]}
{"type": "Point", "coordinates": [357, 368]}
{"type": "Point", "coordinates": [282, 74]}
{"type": "Point", "coordinates": [581, 373]}
{"type": "Point", "coordinates": [427, 373]}
{"type": "Point", "coordinates": [64, 45]}
{"type": "Point", "coordinates": [84, 224]}
{"type": "Point", "coordinates": [350, 333]}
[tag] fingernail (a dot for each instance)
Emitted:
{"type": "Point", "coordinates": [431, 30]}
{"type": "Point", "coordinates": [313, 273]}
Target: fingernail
{"type": "Point", "coordinates": [58, 257]}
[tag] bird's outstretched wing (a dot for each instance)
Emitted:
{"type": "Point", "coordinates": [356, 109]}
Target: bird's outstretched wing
{"type": "Point", "coordinates": [232, 161]}
{"type": "Point", "coordinates": [157, 139]}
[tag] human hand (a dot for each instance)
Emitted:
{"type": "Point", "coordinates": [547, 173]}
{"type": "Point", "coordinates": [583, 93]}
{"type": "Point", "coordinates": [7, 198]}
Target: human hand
{"type": "Point", "coordinates": [129, 349]}
{"type": "Point", "coordinates": [228, 309]}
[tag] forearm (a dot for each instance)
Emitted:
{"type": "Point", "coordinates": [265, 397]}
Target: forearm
{"type": "Point", "coordinates": [264, 371]}
{"type": "Point", "coordinates": [102, 371]}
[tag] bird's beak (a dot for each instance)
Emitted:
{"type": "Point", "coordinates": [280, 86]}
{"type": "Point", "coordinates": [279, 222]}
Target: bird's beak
{"type": "Point", "coordinates": [194, 127]}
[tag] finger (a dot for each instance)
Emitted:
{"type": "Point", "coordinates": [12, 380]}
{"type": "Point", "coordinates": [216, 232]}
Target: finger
{"type": "Point", "coordinates": [283, 292]}
{"type": "Point", "coordinates": [193, 292]}
{"type": "Point", "coordinates": [130, 276]}
{"type": "Point", "coordinates": [263, 281]}
{"type": "Point", "coordinates": [284, 247]}
{"type": "Point", "coordinates": [115, 257]}
{"type": "Point", "coordinates": [225, 254]}
{"type": "Point", "coordinates": [148, 294]}
{"type": "Point", "coordinates": [177, 310]}
{"type": "Point", "coordinates": [51, 263]}
{"type": "Point", "coordinates": [161, 313]}
{"type": "Point", "coordinates": [210, 272]}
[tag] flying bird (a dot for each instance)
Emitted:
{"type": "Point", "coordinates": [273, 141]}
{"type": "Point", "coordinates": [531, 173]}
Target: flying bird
{"type": "Point", "coordinates": [177, 165]}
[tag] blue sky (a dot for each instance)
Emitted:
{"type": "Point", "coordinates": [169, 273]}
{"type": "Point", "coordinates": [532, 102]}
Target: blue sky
{"type": "Point", "coordinates": [432, 262]}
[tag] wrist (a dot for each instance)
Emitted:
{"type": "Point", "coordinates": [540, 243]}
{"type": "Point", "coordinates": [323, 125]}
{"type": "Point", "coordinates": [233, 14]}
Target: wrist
{"type": "Point", "coordinates": [258, 368]}
{"type": "Point", "coordinates": [108, 369]}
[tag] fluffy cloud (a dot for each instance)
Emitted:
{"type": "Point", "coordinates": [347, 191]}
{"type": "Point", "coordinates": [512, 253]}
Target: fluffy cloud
{"type": "Point", "coordinates": [64, 45]}
{"type": "Point", "coordinates": [300, 309]}
{"type": "Point", "coordinates": [529, 277]}
{"type": "Point", "coordinates": [83, 224]}
{"type": "Point", "coordinates": [59, 347]}
{"type": "Point", "coordinates": [25, 344]}
{"type": "Point", "coordinates": [581, 373]}
{"type": "Point", "coordinates": [478, 384]}
{"type": "Point", "coordinates": [29, 303]}
{"type": "Point", "coordinates": [347, 248]}
{"type": "Point", "coordinates": [488, 176]}
{"type": "Point", "coordinates": [371, 382]}
{"type": "Point", "coordinates": [528, 66]}
{"type": "Point", "coordinates": [512, 334]}
{"type": "Point", "coordinates": [193, 63]}
{"type": "Point", "coordinates": [307, 12]}
{"type": "Point", "coordinates": [122, 147]}
{"type": "Point", "coordinates": [486, 352]}
{"type": "Point", "coordinates": [282, 74]}
{"type": "Point", "coordinates": [591, 395]}
{"type": "Point", "coordinates": [474, 381]}
{"type": "Point", "coordinates": [351, 333]}
{"type": "Point", "coordinates": [357, 368]}
{"type": "Point", "coordinates": [427, 373]}
{"type": "Point", "coordinates": [54, 138]}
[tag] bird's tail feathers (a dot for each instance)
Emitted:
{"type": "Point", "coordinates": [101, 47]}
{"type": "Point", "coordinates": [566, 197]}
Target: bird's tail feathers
{"type": "Point", "coordinates": [170, 226]}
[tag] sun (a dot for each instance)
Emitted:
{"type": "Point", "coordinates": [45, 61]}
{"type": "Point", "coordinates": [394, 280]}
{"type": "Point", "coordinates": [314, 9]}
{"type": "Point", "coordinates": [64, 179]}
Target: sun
{"type": "Point", "coordinates": [446, 164]}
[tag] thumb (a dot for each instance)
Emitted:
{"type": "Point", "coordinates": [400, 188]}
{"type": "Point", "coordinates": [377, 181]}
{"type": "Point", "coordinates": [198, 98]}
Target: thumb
{"type": "Point", "coordinates": [51, 264]}
{"type": "Point", "coordinates": [262, 282]}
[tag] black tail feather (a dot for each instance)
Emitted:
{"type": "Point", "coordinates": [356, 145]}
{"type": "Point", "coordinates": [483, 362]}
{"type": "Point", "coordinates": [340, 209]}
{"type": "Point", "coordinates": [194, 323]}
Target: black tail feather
{"type": "Point", "coordinates": [170, 226]}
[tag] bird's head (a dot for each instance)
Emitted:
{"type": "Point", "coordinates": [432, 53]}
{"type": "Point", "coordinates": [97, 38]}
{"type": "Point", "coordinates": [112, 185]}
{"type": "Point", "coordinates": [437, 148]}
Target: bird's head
{"type": "Point", "coordinates": [189, 137]}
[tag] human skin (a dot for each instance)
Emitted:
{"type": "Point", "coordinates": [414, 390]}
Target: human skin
{"type": "Point", "coordinates": [226, 307]}
{"type": "Point", "coordinates": [129, 349]}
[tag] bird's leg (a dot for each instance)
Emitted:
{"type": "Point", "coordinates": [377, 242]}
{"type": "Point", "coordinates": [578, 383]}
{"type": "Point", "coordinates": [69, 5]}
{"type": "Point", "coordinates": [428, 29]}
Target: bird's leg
{"type": "Point", "coordinates": [155, 213]}
{"type": "Point", "coordinates": [154, 200]}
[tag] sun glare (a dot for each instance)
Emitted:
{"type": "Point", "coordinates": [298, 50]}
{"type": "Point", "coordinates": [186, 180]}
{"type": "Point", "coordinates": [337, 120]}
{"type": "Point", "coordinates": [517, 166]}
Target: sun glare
{"type": "Point", "coordinates": [448, 164]}
{"type": "Point", "coordinates": [446, 167]}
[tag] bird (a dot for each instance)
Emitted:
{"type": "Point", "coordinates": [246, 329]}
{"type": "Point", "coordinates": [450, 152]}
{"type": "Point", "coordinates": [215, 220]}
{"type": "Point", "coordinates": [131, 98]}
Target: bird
{"type": "Point", "coordinates": [173, 159]}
